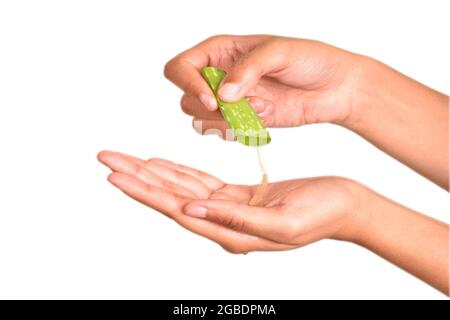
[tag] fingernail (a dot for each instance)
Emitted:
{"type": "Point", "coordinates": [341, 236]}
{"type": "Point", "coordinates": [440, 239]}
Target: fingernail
{"type": "Point", "coordinates": [264, 113]}
{"type": "Point", "coordinates": [196, 212]}
{"type": "Point", "coordinates": [257, 104]}
{"type": "Point", "coordinates": [229, 90]}
{"type": "Point", "coordinates": [208, 101]}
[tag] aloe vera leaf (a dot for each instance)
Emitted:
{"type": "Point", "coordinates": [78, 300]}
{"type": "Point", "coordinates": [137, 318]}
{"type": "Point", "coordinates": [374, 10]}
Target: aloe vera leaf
{"type": "Point", "coordinates": [240, 116]}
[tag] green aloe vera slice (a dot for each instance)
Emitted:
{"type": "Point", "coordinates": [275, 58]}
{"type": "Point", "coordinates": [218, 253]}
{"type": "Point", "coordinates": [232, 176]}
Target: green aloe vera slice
{"type": "Point", "coordinates": [240, 117]}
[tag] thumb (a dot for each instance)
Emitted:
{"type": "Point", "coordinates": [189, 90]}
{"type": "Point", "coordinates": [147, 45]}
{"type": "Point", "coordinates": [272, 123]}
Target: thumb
{"type": "Point", "coordinates": [248, 70]}
{"type": "Point", "coordinates": [258, 221]}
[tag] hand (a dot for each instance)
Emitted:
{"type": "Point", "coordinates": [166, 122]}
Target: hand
{"type": "Point", "coordinates": [289, 82]}
{"type": "Point", "coordinates": [291, 214]}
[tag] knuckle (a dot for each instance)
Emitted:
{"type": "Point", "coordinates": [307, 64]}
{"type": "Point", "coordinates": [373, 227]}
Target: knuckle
{"type": "Point", "coordinates": [180, 176]}
{"type": "Point", "coordinates": [153, 166]}
{"type": "Point", "coordinates": [167, 184]}
{"type": "Point", "coordinates": [279, 47]}
{"type": "Point", "coordinates": [140, 171]}
{"type": "Point", "coordinates": [232, 221]}
{"type": "Point", "coordinates": [170, 67]}
{"type": "Point", "coordinates": [277, 41]}
{"type": "Point", "coordinates": [190, 89]}
{"type": "Point", "coordinates": [248, 67]}
{"type": "Point", "coordinates": [185, 105]}
{"type": "Point", "coordinates": [217, 38]}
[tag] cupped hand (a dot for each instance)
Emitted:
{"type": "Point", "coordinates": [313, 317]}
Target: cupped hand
{"type": "Point", "coordinates": [288, 81]}
{"type": "Point", "coordinates": [291, 214]}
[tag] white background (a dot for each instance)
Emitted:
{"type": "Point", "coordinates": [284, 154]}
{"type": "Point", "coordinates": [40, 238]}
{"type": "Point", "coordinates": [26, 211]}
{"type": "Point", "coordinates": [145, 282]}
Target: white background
{"type": "Point", "coordinates": [77, 77]}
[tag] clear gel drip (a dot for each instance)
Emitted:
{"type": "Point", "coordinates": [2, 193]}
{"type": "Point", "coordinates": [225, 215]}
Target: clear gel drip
{"type": "Point", "coordinates": [259, 193]}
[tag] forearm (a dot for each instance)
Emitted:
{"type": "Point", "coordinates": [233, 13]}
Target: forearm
{"type": "Point", "coordinates": [405, 119]}
{"type": "Point", "coordinates": [408, 239]}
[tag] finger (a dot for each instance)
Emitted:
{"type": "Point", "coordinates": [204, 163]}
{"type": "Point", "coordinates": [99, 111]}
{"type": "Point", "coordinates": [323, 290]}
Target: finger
{"type": "Point", "coordinates": [180, 178]}
{"type": "Point", "coordinates": [184, 71]}
{"type": "Point", "coordinates": [263, 108]}
{"type": "Point", "coordinates": [259, 221]}
{"type": "Point", "coordinates": [157, 198]}
{"type": "Point", "coordinates": [194, 107]}
{"type": "Point", "coordinates": [230, 240]}
{"type": "Point", "coordinates": [102, 156]}
{"type": "Point", "coordinates": [136, 167]}
{"type": "Point", "coordinates": [210, 181]}
{"type": "Point", "coordinates": [220, 51]}
{"type": "Point", "coordinates": [248, 70]}
{"type": "Point", "coordinates": [191, 182]}
{"type": "Point", "coordinates": [170, 205]}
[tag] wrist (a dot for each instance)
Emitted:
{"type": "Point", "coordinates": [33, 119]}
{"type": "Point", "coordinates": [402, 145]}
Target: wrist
{"type": "Point", "coordinates": [366, 92]}
{"type": "Point", "coordinates": [369, 216]}
{"type": "Point", "coordinates": [357, 212]}
{"type": "Point", "coordinates": [402, 117]}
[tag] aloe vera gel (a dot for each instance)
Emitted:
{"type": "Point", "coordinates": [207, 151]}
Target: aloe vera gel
{"type": "Point", "coordinates": [245, 124]}
{"type": "Point", "coordinates": [258, 196]}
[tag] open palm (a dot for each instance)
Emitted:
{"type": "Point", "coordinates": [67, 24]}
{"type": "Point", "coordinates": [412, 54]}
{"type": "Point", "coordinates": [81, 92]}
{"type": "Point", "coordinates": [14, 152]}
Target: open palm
{"type": "Point", "coordinates": [291, 213]}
